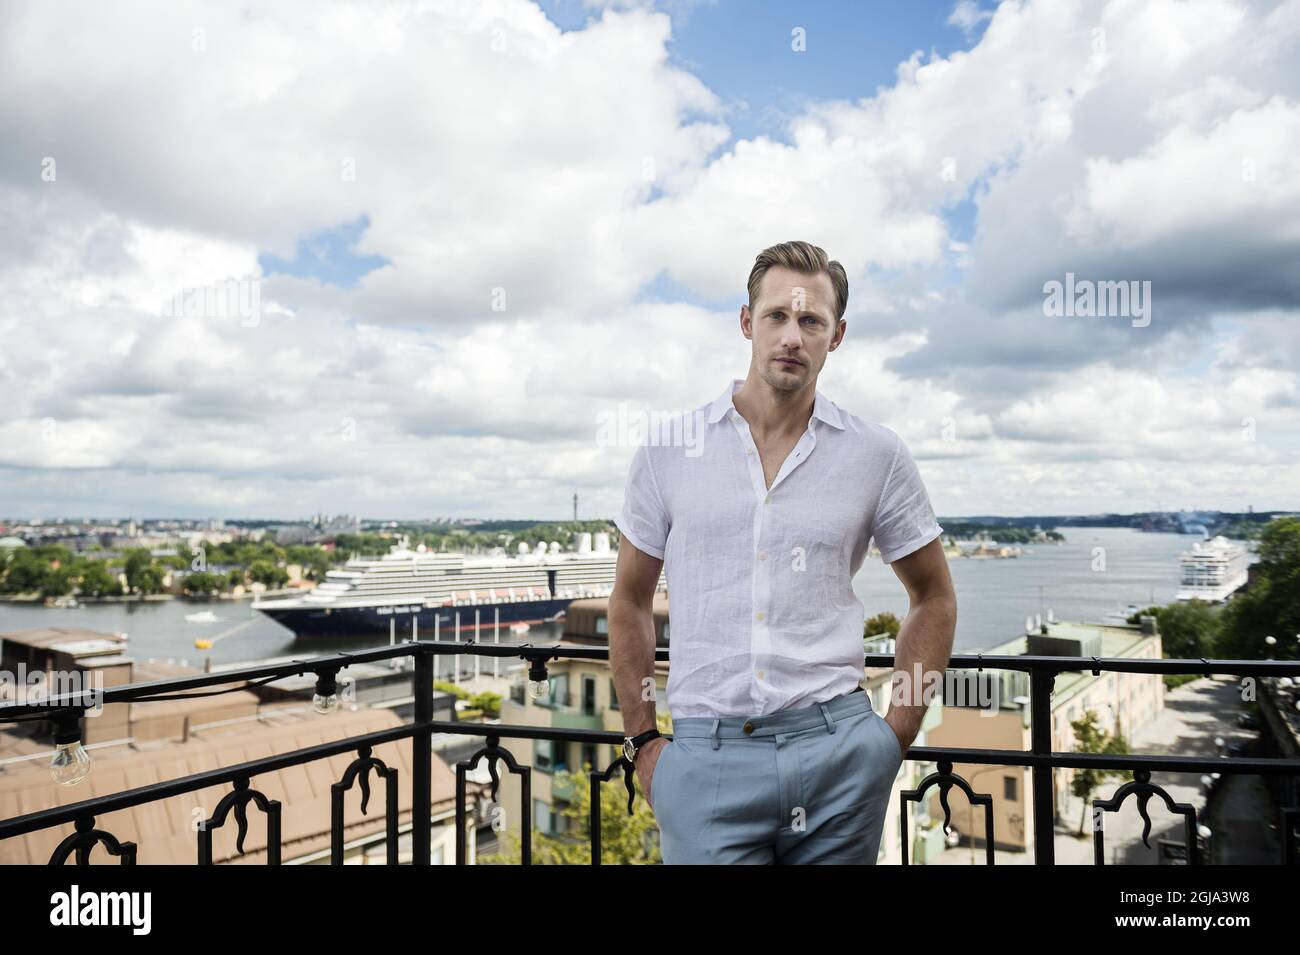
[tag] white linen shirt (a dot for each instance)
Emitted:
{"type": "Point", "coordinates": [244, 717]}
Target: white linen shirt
{"type": "Point", "coordinates": [762, 613]}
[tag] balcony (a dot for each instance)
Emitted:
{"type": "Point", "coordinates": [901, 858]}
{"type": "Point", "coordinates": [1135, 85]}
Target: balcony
{"type": "Point", "coordinates": [1036, 673]}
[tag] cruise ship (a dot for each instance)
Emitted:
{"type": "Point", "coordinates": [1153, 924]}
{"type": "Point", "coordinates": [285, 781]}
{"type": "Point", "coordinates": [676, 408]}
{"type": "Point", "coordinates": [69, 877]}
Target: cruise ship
{"type": "Point", "coordinates": [427, 592]}
{"type": "Point", "coordinates": [1213, 570]}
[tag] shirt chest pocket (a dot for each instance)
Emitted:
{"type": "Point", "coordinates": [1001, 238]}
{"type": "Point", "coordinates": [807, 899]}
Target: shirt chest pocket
{"type": "Point", "coordinates": [818, 570]}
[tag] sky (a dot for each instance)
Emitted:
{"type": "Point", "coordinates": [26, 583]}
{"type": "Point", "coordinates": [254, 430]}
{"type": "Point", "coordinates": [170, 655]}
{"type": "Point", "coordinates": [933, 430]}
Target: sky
{"type": "Point", "coordinates": [405, 259]}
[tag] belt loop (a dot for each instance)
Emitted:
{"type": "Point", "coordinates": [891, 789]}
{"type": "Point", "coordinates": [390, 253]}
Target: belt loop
{"type": "Point", "coordinates": [826, 715]}
{"type": "Point", "coordinates": [714, 734]}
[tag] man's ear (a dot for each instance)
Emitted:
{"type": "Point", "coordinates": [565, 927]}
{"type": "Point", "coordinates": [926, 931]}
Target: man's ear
{"type": "Point", "coordinates": [840, 327]}
{"type": "Point", "coordinates": [746, 322]}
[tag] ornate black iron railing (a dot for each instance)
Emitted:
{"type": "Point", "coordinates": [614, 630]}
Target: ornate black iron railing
{"type": "Point", "coordinates": [1040, 759]}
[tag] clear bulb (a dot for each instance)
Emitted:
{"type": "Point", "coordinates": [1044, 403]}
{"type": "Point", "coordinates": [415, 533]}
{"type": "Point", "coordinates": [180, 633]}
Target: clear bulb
{"type": "Point", "coordinates": [71, 763]}
{"type": "Point", "coordinates": [325, 704]}
{"type": "Point", "coordinates": [539, 688]}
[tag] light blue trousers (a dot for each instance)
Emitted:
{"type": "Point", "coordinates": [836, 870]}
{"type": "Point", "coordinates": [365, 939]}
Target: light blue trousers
{"type": "Point", "coordinates": [803, 786]}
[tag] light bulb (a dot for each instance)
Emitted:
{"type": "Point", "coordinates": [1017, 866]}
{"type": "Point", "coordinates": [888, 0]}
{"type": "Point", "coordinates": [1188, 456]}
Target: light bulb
{"type": "Point", "coordinates": [325, 703]}
{"type": "Point", "coordinates": [539, 688]}
{"type": "Point", "coordinates": [71, 763]}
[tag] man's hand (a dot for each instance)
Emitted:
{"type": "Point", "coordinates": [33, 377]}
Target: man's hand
{"type": "Point", "coordinates": [906, 723]}
{"type": "Point", "coordinates": [647, 758]}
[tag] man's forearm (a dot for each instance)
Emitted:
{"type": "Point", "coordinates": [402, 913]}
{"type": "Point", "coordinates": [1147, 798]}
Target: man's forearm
{"type": "Point", "coordinates": [923, 647]}
{"type": "Point", "coordinates": [632, 663]}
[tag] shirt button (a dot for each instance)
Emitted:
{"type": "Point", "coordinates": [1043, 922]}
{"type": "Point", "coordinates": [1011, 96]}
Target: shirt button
{"type": "Point", "coordinates": [759, 615]}
{"type": "Point", "coordinates": [749, 450]}
{"type": "Point", "coordinates": [768, 499]}
{"type": "Point", "coordinates": [761, 673]}
{"type": "Point", "coordinates": [762, 555]}
{"type": "Point", "coordinates": [749, 727]}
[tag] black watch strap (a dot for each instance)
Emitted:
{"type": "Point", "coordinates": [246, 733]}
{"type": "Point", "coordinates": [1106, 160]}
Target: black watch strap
{"type": "Point", "coordinates": [640, 740]}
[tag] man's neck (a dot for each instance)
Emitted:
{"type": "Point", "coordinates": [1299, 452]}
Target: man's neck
{"type": "Point", "coordinates": [771, 412]}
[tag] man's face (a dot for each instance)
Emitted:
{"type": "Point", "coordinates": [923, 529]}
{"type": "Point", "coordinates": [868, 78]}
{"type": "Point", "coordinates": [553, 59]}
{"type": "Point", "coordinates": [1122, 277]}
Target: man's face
{"type": "Point", "coordinates": [792, 326]}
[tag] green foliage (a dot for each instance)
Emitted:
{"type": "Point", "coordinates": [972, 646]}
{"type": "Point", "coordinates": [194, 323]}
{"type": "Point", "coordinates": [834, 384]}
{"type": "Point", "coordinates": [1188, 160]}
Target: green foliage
{"type": "Point", "coordinates": [56, 582]}
{"type": "Point", "coordinates": [624, 839]}
{"type": "Point", "coordinates": [880, 624]}
{"type": "Point", "coordinates": [265, 572]}
{"type": "Point", "coordinates": [139, 580]}
{"type": "Point", "coordinates": [998, 533]}
{"type": "Point", "coordinates": [202, 582]}
{"type": "Point", "coordinates": [487, 703]}
{"type": "Point", "coordinates": [1091, 738]}
{"type": "Point", "coordinates": [98, 581]}
{"type": "Point", "coordinates": [24, 572]}
{"type": "Point", "coordinates": [1188, 630]}
{"type": "Point", "coordinates": [1271, 605]}
{"type": "Point", "coordinates": [455, 689]}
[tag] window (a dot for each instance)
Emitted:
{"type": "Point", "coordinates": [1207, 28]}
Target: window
{"type": "Point", "coordinates": [602, 625]}
{"type": "Point", "coordinates": [1009, 789]}
{"type": "Point", "coordinates": [613, 696]}
{"type": "Point", "coordinates": [543, 820]}
{"type": "Point", "coordinates": [548, 755]}
{"type": "Point", "coordinates": [588, 696]}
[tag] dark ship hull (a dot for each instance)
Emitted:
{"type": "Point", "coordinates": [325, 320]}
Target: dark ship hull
{"type": "Point", "coordinates": [351, 621]}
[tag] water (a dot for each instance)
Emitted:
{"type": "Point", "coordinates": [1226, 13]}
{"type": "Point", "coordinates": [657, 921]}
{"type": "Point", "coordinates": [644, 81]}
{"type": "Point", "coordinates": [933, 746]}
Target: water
{"type": "Point", "coordinates": [993, 599]}
{"type": "Point", "coordinates": [158, 629]}
{"type": "Point", "coordinates": [995, 596]}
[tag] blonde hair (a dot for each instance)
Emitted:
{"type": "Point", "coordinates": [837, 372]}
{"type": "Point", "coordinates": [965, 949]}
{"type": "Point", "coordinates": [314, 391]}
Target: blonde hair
{"type": "Point", "coordinates": [806, 258]}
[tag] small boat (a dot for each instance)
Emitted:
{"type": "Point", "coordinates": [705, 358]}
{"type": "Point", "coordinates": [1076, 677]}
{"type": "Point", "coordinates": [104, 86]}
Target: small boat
{"type": "Point", "coordinates": [519, 628]}
{"type": "Point", "coordinates": [202, 616]}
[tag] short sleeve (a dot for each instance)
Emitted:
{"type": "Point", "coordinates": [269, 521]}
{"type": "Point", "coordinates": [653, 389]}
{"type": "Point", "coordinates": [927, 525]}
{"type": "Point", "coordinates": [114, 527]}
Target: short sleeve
{"type": "Point", "coordinates": [644, 520]}
{"type": "Point", "coordinates": [904, 520]}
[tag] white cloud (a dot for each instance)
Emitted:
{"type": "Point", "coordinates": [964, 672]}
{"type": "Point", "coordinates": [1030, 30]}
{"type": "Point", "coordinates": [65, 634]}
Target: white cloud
{"type": "Point", "coordinates": [569, 169]}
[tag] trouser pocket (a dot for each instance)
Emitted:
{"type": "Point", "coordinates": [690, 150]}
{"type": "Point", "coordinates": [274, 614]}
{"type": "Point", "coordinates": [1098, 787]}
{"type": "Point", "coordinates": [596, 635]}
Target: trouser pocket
{"type": "Point", "coordinates": [657, 790]}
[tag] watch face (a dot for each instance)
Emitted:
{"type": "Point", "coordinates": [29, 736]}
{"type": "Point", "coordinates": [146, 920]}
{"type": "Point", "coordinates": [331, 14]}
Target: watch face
{"type": "Point", "coordinates": [629, 751]}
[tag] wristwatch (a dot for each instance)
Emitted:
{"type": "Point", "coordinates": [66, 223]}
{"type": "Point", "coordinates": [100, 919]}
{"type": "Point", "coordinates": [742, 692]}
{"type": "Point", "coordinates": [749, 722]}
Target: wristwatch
{"type": "Point", "coordinates": [633, 744]}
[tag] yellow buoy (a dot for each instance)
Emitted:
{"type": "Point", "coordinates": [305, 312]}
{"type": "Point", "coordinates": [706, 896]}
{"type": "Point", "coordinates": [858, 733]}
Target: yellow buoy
{"type": "Point", "coordinates": [202, 644]}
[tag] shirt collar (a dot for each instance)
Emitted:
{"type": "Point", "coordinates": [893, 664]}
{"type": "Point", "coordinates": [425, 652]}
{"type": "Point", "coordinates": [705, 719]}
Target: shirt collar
{"type": "Point", "coordinates": [823, 408]}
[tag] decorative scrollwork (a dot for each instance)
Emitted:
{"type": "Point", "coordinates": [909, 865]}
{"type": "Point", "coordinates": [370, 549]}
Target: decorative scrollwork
{"type": "Point", "coordinates": [359, 771]}
{"type": "Point", "coordinates": [85, 838]}
{"type": "Point", "coordinates": [493, 752]}
{"type": "Point", "coordinates": [1142, 787]}
{"type": "Point", "coordinates": [238, 800]}
{"type": "Point", "coordinates": [946, 780]}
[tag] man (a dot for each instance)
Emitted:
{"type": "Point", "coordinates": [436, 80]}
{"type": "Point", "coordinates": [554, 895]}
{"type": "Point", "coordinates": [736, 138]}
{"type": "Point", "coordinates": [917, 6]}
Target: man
{"type": "Point", "coordinates": [777, 755]}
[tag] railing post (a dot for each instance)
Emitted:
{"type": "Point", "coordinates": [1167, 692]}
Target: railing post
{"type": "Point", "coordinates": [422, 759]}
{"type": "Point", "coordinates": [1041, 683]}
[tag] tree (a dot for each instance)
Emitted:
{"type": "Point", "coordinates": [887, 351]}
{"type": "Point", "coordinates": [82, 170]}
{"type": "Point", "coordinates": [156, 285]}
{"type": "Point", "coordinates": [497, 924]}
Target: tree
{"type": "Point", "coordinates": [1188, 629]}
{"type": "Point", "coordinates": [1271, 605]}
{"type": "Point", "coordinates": [265, 572]}
{"type": "Point", "coordinates": [138, 561]}
{"type": "Point", "coordinates": [149, 580]}
{"type": "Point", "coordinates": [96, 581]}
{"type": "Point", "coordinates": [201, 582]}
{"type": "Point", "coordinates": [1090, 738]}
{"type": "Point", "coordinates": [56, 582]}
{"type": "Point", "coordinates": [24, 573]}
{"type": "Point", "coordinates": [624, 839]}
